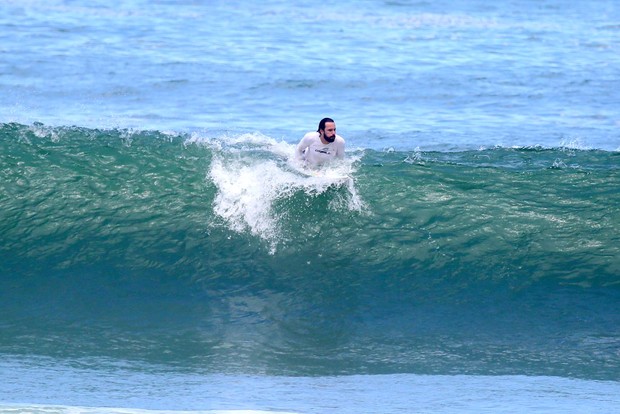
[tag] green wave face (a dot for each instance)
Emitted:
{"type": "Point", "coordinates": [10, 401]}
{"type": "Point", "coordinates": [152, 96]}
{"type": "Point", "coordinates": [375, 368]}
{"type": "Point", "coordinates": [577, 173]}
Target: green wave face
{"type": "Point", "coordinates": [215, 252]}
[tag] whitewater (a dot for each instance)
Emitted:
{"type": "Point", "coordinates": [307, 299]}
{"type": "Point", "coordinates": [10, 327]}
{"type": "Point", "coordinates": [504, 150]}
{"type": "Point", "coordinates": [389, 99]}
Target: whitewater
{"type": "Point", "coordinates": [161, 252]}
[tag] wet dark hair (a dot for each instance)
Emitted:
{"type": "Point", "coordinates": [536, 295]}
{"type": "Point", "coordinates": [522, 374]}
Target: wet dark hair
{"type": "Point", "coordinates": [322, 124]}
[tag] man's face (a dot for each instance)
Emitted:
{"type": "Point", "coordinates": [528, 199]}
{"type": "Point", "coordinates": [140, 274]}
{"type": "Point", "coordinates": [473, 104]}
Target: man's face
{"type": "Point", "coordinates": [329, 133]}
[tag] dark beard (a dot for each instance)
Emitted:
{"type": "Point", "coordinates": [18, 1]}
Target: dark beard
{"type": "Point", "coordinates": [329, 139]}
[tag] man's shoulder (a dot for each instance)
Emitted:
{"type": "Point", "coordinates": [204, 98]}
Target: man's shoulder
{"type": "Point", "coordinates": [310, 138]}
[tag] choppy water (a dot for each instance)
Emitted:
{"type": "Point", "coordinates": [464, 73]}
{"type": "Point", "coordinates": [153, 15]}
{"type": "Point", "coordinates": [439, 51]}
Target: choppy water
{"type": "Point", "coordinates": [391, 73]}
{"type": "Point", "coordinates": [159, 250]}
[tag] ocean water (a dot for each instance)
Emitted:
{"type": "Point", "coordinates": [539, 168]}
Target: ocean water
{"type": "Point", "coordinates": [160, 252]}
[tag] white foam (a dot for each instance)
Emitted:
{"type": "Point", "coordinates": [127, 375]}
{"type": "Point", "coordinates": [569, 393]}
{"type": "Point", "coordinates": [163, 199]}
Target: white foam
{"type": "Point", "coordinates": [574, 144]}
{"type": "Point", "coordinates": [253, 171]}
{"type": "Point", "coordinates": [246, 194]}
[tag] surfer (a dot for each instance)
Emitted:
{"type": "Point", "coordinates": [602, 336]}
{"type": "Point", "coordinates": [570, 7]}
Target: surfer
{"type": "Point", "coordinates": [324, 145]}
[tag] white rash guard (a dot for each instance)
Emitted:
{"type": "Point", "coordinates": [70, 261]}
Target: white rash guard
{"type": "Point", "coordinates": [314, 152]}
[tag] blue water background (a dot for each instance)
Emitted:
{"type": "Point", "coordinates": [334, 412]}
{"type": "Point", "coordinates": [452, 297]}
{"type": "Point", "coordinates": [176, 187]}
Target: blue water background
{"type": "Point", "coordinates": [392, 73]}
{"type": "Point", "coordinates": [409, 83]}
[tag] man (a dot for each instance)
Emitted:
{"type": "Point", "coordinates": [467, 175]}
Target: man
{"type": "Point", "coordinates": [319, 147]}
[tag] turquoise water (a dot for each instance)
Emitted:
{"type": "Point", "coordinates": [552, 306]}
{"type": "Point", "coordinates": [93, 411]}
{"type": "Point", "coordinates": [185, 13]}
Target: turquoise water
{"type": "Point", "coordinates": [160, 251]}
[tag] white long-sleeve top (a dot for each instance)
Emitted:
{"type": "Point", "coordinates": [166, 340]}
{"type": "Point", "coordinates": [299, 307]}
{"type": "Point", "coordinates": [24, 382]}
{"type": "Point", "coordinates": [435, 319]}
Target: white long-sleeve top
{"type": "Point", "coordinates": [314, 152]}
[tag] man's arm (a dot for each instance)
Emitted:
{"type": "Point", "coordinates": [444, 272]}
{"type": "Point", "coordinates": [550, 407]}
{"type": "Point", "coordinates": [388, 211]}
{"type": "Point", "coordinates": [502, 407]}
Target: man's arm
{"type": "Point", "coordinates": [340, 149]}
{"type": "Point", "coordinates": [301, 147]}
